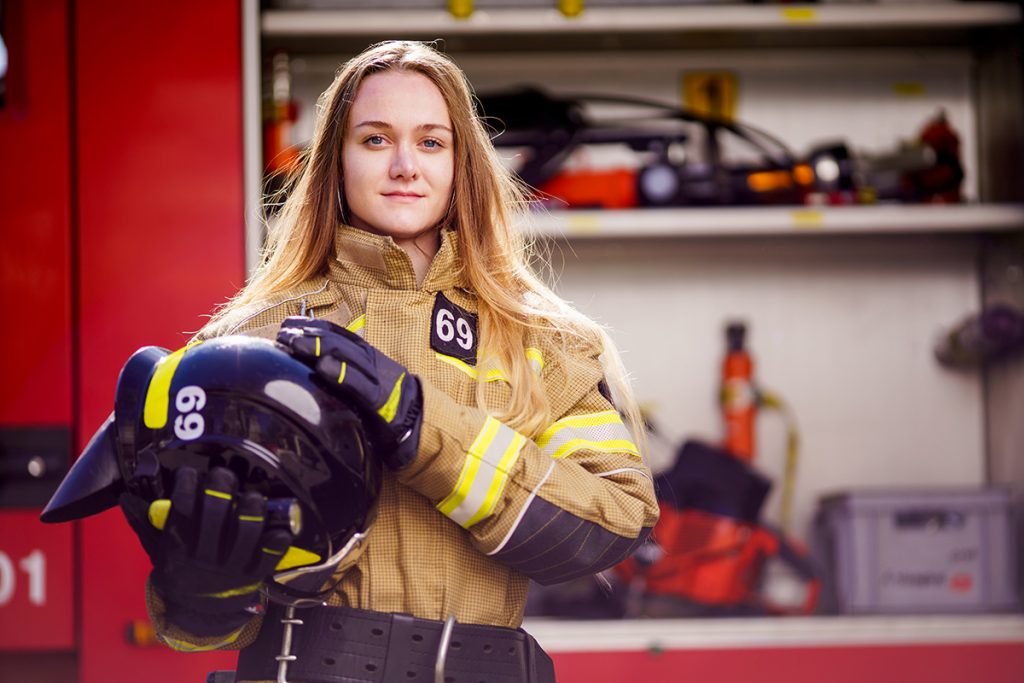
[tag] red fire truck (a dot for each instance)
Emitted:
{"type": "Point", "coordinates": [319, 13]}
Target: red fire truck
{"type": "Point", "coordinates": [121, 214]}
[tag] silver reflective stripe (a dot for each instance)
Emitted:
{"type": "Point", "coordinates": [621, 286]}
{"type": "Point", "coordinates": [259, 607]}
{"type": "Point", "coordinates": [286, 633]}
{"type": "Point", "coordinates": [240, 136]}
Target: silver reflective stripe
{"type": "Point", "coordinates": [604, 432]}
{"type": "Point", "coordinates": [484, 474]}
{"type": "Point", "coordinates": [624, 470]}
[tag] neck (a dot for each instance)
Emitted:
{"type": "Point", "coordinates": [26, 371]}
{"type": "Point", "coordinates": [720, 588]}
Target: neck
{"type": "Point", "coordinates": [421, 250]}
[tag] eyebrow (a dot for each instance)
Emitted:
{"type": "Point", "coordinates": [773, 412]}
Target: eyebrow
{"type": "Point", "coordinates": [384, 125]}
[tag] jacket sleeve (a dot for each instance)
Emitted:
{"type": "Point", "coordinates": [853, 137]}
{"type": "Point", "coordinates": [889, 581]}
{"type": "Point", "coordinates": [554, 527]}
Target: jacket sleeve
{"type": "Point", "coordinates": [573, 502]}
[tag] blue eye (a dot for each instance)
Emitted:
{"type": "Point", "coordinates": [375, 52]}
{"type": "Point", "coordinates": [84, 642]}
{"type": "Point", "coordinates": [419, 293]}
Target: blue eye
{"type": "Point", "coordinates": [431, 144]}
{"type": "Point", "coordinates": [375, 140]}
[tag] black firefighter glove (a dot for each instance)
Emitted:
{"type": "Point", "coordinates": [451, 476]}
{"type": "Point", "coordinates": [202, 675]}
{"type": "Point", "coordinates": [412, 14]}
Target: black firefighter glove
{"type": "Point", "coordinates": [387, 395]}
{"type": "Point", "coordinates": [213, 553]}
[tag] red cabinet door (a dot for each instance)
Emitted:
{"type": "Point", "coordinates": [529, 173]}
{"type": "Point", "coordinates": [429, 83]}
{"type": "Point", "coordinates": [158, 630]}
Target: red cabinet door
{"type": "Point", "coordinates": [35, 336]}
{"type": "Point", "coordinates": [158, 129]}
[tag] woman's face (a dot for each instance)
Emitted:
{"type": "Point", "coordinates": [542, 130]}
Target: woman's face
{"type": "Point", "coordinates": [397, 157]}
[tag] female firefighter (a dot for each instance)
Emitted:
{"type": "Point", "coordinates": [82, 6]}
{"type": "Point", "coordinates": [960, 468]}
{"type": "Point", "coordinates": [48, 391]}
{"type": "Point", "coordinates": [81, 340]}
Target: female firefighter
{"type": "Point", "coordinates": [395, 269]}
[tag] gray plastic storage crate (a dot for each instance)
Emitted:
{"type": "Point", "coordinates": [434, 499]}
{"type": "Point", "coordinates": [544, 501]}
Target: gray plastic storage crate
{"type": "Point", "coordinates": [917, 551]}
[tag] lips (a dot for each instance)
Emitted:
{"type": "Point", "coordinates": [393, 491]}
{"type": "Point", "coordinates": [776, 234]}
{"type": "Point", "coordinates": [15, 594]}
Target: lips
{"type": "Point", "coordinates": [403, 195]}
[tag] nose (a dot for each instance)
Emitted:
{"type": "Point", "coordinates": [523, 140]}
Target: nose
{"type": "Point", "coordinates": [403, 163]}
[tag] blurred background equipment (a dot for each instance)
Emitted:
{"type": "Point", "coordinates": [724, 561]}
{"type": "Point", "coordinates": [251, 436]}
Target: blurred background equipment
{"type": "Point", "coordinates": [927, 168]}
{"type": "Point", "coordinates": [712, 545]}
{"type": "Point", "coordinates": [918, 551]}
{"type": "Point", "coordinates": [738, 396]}
{"type": "Point", "coordinates": [680, 160]}
{"type": "Point", "coordinates": [993, 334]}
{"type": "Point", "coordinates": [551, 129]}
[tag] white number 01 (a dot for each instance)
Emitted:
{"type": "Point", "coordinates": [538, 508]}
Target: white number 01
{"type": "Point", "coordinates": [189, 424]}
{"type": "Point", "coordinates": [446, 331]}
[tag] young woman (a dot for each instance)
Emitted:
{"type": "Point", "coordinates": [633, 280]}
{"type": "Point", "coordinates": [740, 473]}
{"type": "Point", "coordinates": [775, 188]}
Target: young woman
{"type": "Point", "coordinates": [507, 457]}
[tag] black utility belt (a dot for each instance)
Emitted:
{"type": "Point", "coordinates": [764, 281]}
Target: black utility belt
{"type": "Point", "coordinates": [348, 645]}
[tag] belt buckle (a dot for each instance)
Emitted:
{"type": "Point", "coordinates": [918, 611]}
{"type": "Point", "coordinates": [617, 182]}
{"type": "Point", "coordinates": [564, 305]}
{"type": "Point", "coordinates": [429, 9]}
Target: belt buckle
{"type": "Point", "coordinates": [286, 656]}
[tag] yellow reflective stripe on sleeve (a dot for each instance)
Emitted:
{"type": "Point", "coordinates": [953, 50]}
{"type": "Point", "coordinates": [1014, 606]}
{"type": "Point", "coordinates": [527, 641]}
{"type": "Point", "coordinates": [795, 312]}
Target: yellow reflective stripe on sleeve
{"type": "Point", "coordinates": [357, 325]}
{"type": "Point", "coordinates": [185, 646]}
{"type": "Point", "coordinates": [341, 375]}
{"type": "Point", "coordinates": [390, 407]}
{"type": "Point", "coordinates": [604, 432]}
{"type": "Point", "coordinates": [484, 474]}
{"type": "Point", "coordinates": [469, 467]}
{"type": "Point", "coordinates": [498, 481]}
{"type": "Point", "coordinates": [317, 350]}
{"type": "Point", "coordinates": [217, 494]}
{"type": "Point", "coordinates": [158, 395]}
{"type": "Point", "coordinates": [250, 518]}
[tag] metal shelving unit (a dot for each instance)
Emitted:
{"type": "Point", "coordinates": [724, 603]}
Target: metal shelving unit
{"type": "Point", "coordinates": [690, 26]}
{"type": "Point", "coordinates": [769, 221]}
{"type": "Point", "coordinates": [539, 21]}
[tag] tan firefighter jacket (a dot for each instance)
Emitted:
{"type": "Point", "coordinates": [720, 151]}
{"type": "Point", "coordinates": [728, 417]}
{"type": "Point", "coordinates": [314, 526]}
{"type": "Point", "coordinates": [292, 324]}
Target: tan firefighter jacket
{"type": "Point", "coordinates": [482, 508]}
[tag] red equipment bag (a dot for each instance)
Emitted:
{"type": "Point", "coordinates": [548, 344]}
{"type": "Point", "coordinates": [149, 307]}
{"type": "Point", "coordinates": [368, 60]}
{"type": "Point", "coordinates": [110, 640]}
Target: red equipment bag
{"type": "Point", "coordinates": [711, 549]}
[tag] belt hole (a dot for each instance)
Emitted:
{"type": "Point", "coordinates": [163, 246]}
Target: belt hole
{"type": "Point", "coordinates": [512, 650]}
{"type": "Point", "coordinates": [328, 661]}
{"type": "Point", "coordinates": [417, 637]}
{"type": "Point", "coordinates": [456, 645]}
{"type": "Point", "coordinates": [377, 631]}
{"type": "Point", "coordinates": [335, 625]}
{"type": "Point", "coordinates": [371, 667]}
{"type": "Point", "coordinates": [410, 674]}
{"type": "Point", "coordinates": [488, 648]}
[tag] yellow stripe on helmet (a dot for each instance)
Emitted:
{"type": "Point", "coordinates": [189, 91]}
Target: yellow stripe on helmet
{"type": "Point", "coordinates": [158, 395]}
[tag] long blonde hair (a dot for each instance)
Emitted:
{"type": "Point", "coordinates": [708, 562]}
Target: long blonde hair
{"type": "Point", "coordinates": [488, 201]}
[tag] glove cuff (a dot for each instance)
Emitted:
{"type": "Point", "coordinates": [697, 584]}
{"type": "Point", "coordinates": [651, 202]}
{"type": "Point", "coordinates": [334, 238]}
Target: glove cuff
{"type": "Point", "coordinates": [223, 612]}
{"type": "Point", "coordinates": [408, 446]}
{"type": "Point", "coordinates": [203, 624]}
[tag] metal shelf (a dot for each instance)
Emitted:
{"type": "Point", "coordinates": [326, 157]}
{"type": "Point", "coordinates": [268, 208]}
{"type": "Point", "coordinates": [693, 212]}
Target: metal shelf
{"type": "Point", "coordinates": [770, 221]}
{"type": "Point", "coordinates": [815, 631]}
{"type": "Point", "coordinates": [729, 18]}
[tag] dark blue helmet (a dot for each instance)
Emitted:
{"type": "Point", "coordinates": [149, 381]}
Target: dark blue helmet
{"type": "Point", "coordinates": [237, 402]}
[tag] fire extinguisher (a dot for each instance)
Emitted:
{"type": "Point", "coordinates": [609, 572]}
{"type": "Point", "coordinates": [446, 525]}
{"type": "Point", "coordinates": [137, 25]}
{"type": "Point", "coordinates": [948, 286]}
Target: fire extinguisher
{"type": "Point", "coordinates": [738, 397]}
{"type": "Point", "coordinates": [279, 115]}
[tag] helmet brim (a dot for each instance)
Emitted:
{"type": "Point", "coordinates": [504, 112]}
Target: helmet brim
{"type": "Point", "coordinates": [93, 483]}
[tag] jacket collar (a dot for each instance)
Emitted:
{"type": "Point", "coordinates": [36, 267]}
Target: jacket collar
{"type": "Point", "coordinates": [366, 259]}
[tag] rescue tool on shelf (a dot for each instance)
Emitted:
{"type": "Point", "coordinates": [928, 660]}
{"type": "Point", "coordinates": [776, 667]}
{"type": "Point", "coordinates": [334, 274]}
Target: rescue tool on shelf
{"type": "Point", "coordinates": [681, 157]}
